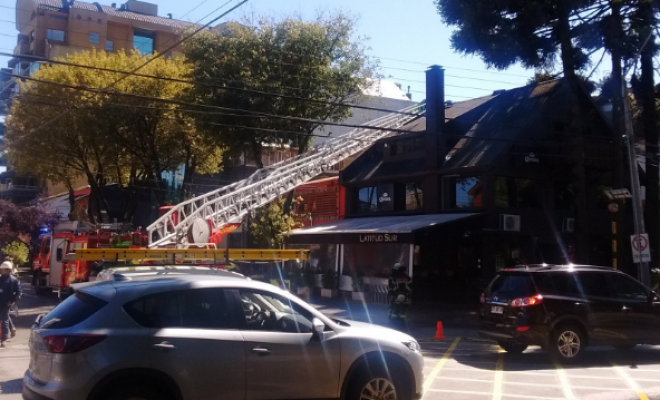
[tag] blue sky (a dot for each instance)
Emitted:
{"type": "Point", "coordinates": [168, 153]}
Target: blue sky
{"type": "Point", "coordinates": [411, 31]}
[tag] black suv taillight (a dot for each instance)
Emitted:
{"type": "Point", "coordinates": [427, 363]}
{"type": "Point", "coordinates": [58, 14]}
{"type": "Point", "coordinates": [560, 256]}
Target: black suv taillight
{"type": "Point", "coordinates": [526, 301]}
{"type": "Point", "coordinates": [71, 343]}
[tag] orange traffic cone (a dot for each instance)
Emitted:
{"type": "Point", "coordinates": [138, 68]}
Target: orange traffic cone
{"type": "Point", "coordinates": [439, 335]}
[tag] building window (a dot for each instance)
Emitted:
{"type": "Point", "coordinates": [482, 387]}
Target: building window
{"type": "Point", "coordinates": [55, 35]}
{"type": "Point", "coordinates": [143, 41]}
{"type": "Point", "coordinates": [62, 17]}
{"type": "Point", "coordinates": [375, 198]}
{"type": "Point", "coordinates": [468, 193]}
{"type": "Point", "coordinates": [367, 199]}
{"type": "Point", "coordinates": [526, 194]}
{"type": "Point", "coordinates": [502, 192]}
{"type": "Point", "coordinates": [414, 196]}
{"type": "Point", "coordinates": [406, 146]}
{"type": "Point", "coordinates": [109, 45]}
{"type": "Point", "coordinates": [511, 192]}
{"type": "Point", "coordinates": [94, 38]}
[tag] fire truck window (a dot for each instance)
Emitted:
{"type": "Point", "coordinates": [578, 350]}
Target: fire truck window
{"type": "Point", "coordinates": [59, 254]}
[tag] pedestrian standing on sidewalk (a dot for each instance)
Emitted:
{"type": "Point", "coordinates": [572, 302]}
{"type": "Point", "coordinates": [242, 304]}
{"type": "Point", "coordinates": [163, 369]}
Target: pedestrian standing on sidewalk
{"type": "Point", "coordinates": [10, 291]}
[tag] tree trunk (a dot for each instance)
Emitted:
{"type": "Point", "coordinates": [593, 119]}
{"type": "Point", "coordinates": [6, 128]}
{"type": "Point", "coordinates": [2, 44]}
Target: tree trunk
{"type": "Point", "coordinates": [577, 112]}
{"type": "Point", "coordinates": [650, 123]}
{"type": "Point", "coordinates": [72, 200]}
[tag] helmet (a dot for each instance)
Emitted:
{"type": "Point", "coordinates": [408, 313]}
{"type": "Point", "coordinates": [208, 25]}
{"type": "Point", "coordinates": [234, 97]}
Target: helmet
{"type": "Point", "coordinates": [6, 265]}
{"type": "Point", "coordinates": [399, 266]}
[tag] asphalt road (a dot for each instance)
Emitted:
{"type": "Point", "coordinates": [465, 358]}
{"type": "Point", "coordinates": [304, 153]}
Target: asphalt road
{"type": "Point", "coordinates": [464, 368]}
{"type": "Point", "coordinates": [461, 367]}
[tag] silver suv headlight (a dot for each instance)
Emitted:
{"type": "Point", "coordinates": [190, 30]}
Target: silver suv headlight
{"type": "Point", "coordinates": [414, 346]}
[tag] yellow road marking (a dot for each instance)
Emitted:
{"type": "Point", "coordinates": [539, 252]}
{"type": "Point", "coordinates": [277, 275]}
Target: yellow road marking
{"type": "Point", "coordinates": [497, 386]}
{"type": "Point", "coordinates": [441, 363]}
{"type": "Point", "coordinates": [548, 385]}
{"type": "Point", "coordinates": [633, 385]}
{"type": "Point", "coordinates": [565, 384]}
{"type": "Point", "coordinates": [522, 396]}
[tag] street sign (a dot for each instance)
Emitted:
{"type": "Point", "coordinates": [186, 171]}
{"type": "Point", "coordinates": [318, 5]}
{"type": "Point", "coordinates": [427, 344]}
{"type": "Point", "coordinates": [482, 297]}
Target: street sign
{"type": "Point", "coordinates": [640, 248]}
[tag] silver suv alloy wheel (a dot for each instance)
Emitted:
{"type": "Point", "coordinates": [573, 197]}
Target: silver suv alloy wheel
{"type": "Point", "coordinates": [378, 389]}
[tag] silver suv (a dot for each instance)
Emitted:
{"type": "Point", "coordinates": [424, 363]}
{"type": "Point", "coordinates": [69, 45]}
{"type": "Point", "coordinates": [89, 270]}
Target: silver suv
{"type": "Point", "coordinates": [198, 337]}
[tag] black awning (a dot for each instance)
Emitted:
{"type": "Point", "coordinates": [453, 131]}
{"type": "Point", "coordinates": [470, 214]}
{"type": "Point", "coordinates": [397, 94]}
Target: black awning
{"type": "Point", "coordinates": [399, 229]}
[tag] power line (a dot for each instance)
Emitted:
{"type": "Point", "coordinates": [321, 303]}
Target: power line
{"type": "Point", "coordinates": [183, 103]}
{"type": "Point", "coordinates": [196, 82]}
{"type": "Point", "coordinates": [457, 136]}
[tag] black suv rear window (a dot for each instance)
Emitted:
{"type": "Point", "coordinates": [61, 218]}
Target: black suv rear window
{"type": "Point", "coordinates": [72, 311]}
{"type": "Point", "coordinates": [518, 285]}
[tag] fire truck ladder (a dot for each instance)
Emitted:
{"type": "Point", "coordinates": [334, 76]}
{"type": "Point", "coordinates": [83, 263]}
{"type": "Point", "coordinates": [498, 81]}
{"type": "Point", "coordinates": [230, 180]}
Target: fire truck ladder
{"type": "Point", "coordinates": [231, 203]}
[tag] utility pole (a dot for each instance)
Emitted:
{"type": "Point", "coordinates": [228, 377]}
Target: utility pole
{"type": "Point", "coordinates": [643, 272]}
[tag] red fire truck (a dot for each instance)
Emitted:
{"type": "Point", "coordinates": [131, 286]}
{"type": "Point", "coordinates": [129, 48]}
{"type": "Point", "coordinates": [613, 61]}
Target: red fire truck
{"type": "Point", "coordinates": [53, 271]}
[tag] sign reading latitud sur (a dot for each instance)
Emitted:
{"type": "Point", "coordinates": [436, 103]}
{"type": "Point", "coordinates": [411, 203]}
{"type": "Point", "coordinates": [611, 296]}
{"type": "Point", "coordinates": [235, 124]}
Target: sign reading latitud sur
{"type": "Point", "coordinates": [384, 238]}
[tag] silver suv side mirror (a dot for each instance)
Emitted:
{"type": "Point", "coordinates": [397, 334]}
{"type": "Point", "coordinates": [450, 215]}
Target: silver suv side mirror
{"type": "Point", "coordinates": [318, 326]}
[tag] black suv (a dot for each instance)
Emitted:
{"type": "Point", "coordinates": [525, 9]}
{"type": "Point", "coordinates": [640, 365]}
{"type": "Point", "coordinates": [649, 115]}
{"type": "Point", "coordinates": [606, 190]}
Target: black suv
{"type": "Point", "coordinates": [563, 308]}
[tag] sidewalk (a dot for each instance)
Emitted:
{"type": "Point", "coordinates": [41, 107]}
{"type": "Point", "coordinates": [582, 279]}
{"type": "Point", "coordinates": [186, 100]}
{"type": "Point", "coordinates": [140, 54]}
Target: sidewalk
{"type": "Point", "coordinates": [457, 319]}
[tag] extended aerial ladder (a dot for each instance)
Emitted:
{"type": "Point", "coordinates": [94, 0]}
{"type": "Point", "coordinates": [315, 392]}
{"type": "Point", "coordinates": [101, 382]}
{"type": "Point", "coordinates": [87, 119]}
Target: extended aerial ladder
{"type": "Point", "coordinates": [192, 221]}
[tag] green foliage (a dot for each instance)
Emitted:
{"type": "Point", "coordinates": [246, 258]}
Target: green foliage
{"type": "Point", "coordinates": [106, 137]}
{"type": "Point", "coordinates": [329, 279]}
{"type": "Point", "coordinates": [271, 225]}
{"type": "Point", "coordinates": [318, 60]}
{"type": "Point", "coordinates": [18, 251]}
{"type": "Point", "coordinates": [655, 280]}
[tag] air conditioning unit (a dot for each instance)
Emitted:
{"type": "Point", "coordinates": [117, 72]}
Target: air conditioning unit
{"type": "Point", "coordinates": [510, 223]}
{"type": "Point", "coordinates": [568, 225]}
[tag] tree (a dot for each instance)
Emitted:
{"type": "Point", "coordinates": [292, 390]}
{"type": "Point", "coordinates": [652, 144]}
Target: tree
{"type": "Point", "coordinates": [317, 60]}
{"type": "Point", "coordinates": [22, 223]}
{"type": "Point", "coordinates": [18, 252]}
{"type": "Point", "coordinates": [107, 136]}
{"type": "Point", "coordinates": [271, 224]}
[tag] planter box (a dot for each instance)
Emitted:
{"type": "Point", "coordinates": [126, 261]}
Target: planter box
{"type": "Point", "coordinates": [358, 296]}
{"type": "Point", "coordinates": [328, 293]}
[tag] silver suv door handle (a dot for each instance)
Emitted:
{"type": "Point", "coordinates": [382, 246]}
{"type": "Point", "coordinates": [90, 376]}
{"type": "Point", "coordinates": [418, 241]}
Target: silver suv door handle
{"type": "Point", "coordinates": [262, 351]}
{"type": "Point", "coordinates": [164, 346]}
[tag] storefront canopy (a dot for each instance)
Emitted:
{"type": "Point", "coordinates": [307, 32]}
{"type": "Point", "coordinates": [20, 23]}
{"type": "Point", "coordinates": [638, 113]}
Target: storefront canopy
{"type": "Point", "coordinates": [398, 229]}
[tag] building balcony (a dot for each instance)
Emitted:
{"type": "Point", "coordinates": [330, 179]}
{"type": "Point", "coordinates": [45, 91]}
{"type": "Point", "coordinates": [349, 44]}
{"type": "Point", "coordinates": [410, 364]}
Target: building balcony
{"type": "Point", "coordinates": [18, 188]}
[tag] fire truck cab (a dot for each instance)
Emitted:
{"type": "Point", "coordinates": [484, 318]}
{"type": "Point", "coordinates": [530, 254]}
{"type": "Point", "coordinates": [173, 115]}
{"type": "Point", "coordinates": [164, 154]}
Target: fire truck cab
{"type": "Point", "coordinates": [52, 270]}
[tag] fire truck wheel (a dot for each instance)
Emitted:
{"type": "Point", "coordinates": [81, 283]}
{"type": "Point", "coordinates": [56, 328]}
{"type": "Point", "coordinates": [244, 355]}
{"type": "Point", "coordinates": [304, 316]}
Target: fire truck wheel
{"type": "Point", "coordinates": [38, 282]}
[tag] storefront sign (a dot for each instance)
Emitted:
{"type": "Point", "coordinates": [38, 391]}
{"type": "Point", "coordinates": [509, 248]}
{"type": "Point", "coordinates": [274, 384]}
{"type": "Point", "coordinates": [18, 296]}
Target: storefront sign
{"type": "Point", "coordinates": [532, 158]}
{"type": "Point", "coordinates": [384, 238]}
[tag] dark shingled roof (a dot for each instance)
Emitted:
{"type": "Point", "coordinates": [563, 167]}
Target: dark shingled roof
{"type": "Point", "coordinates": [473, 128]}
{"type": "Point", "coordinates": [59, 5]}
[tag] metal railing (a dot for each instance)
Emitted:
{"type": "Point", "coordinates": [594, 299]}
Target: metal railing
{"type": "Point", "coordinates": [231, 203]}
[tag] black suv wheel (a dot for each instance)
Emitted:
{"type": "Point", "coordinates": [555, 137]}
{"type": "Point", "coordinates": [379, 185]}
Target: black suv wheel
{"type": "Point", "coordinates": [567, 343]}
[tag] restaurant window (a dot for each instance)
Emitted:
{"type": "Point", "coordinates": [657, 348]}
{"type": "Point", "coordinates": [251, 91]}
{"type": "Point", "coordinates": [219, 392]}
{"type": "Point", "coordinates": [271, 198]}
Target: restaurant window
{"type": "Point", "coordinates": [502, 192]}
{"type": "Point", "coordinates": [376, 198]}
{"type": "Point", "coordinates": [468, 192]}
{"type": "Point", "coordinates": [55, 35]}
{"type": "Point", "coordinates": [527, 195]}
{"type": "Point", "coordinates": [94, 38]}
{"type": "Point", "coordinates": [143, 41]}
{"type": "Point", "coordinates": [367, 199]}
{"type": "Point", "coordinates": [414, 196]}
